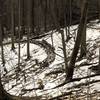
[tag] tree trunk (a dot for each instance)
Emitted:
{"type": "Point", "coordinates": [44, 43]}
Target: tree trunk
{"type": "Point", "coordinates": [98, 8]}
{"type": "Point", "coordinates": [1, 44]}
{"type": "Point", "coordinates": [83, 43]}
{"type": "Point", "coordinates": [3, 94]}
{"type": "Point", "coordinates": [28, 27]}
{"type": "Point", "coordinates": [19, 30]}
{"type": "Point", "coordinates": [23, 16]}
{"type": "Point", "coordinates": [12, 24]}
{"type": "Point", "coordinates": [64, 50]}
{"type": "Point", "coordinates": [32, 28]}
{"type": "Point", "coordinates": [78, 40]}
{"type": "Point", "coordinates": [99, 58]}
{"type": "Point", "coordinates": [45, 16]}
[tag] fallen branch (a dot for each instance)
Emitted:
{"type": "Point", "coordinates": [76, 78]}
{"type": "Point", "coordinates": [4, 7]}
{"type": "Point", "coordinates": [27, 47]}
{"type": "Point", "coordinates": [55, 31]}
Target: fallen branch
{"type": "Point", "coordinates": [62, 95]}
{"type": "Point", "coordinates": [84, 84]}
{"type": "Point", "coordinates": [74, 80]}
{"type": "Point", "coordinates": [55, 72]}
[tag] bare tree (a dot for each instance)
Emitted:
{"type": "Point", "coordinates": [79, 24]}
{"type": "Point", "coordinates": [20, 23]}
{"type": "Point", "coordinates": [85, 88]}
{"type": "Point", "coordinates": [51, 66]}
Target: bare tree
{"type": "Point", "coordinates": [99, 58]}
{"type": "Point", "coordinates": [78, 40]}
{"type": "Point", "coordinates": [19, 30]}
{"type": "Point", "coordinates": [98, 8]}
{"type": "Point", "coordinates": [83, 43]}
{"type": "Point", "coordinates": [12, 24]}
{"type": "Point", "coordinates": [1, 44]}
{"type": "Point", "coordinates": [64, 50]}
{"type": "Point", "coordinates": [45, 19]}
{"type": "Point", "coordinates": [28, 26]}
{"type": "Point", "coordinates": [3, 94]}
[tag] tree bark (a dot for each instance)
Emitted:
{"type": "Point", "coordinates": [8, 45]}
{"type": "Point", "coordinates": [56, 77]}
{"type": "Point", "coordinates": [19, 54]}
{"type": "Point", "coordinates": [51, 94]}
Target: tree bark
{"type": "Point", "coordinates": [1, 44]}
{"type": "Point", "coordinates": [12, 24]}
{"type": "Point", "coordinates": [29, 19]}
{"type": "Point", "coordinates": [78, 40]}
{"type": "Point", "coordinates": [83, 43]}
{"type": "Point", "coordinates": [99, 58]}
{"type": "Point", "coordinates": [19, 30]}
{"type": "Point", "coordinates": [64, 50]}
{"type": "Point", "coordinates": [3, 94]}
{"type": "Point", "coordinates": [98, 8]}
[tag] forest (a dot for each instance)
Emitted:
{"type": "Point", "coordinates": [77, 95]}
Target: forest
{"type": "Point", "coordinates": [49, 49]}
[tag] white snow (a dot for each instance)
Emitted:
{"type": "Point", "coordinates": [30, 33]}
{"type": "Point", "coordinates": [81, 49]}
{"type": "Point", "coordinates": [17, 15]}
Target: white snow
{"type": "Point", "coordinates": [39, 53]}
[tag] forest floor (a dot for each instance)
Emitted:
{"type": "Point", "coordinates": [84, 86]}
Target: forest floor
{"type": "Point", "coordinates": [44, 73]}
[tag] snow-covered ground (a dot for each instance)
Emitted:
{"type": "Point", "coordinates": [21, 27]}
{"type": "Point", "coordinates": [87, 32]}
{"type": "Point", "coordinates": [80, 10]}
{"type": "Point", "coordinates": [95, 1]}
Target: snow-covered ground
{"type": "Point", "coordinates": [14, 82]}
